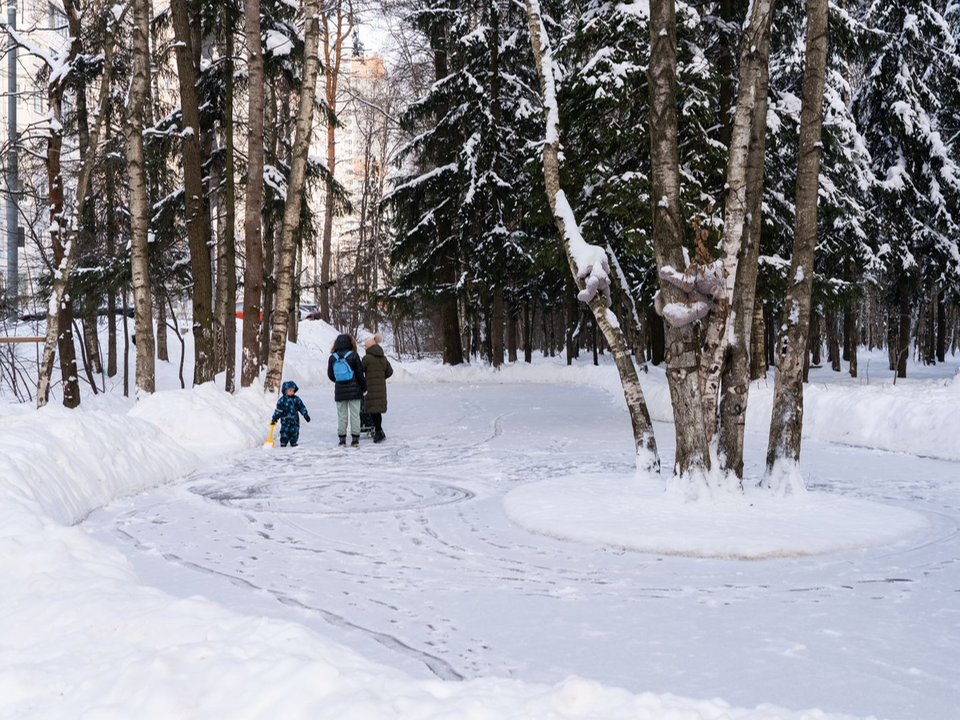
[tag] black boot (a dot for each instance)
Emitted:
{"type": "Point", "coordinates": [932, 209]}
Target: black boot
{"type": "Point", "coordinates": [378, 436]}
{"type": "Point", "coordinates": [343, 440]}
{"type": "Point", "coordinates": [356, 441]}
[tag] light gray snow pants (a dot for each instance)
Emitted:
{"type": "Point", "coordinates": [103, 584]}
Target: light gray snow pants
{"type": "Point", "coordinates": [343, 408]}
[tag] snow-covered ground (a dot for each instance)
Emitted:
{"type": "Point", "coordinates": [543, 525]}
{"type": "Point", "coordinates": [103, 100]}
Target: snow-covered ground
{"type": "Point", "coordinates": [404, 554]}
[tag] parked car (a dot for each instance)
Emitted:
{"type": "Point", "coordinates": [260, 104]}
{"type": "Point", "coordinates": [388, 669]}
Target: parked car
{"type": "Point", "coordinates": [308, 311]}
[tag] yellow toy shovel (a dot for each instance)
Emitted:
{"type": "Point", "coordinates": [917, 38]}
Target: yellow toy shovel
{"type": "Point", "coordinates": [269, 442]}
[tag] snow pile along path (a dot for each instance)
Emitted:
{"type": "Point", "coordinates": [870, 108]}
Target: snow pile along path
{"type": "Point", "coordinates": [61, 464]}
{"type": "Point", "coordinates": [636, 514]}
{"type": "Point", "coordinates": [207, 420]}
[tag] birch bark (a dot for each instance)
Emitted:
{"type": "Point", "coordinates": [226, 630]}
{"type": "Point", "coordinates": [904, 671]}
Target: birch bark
{"type": "Point", "coordinates": [682, 359]}
{"type": "Point", "coordinates": [145, 376]}
{"type": "Point", "coordinates": [751, 102]}
{"type": "Point", "coordinates": [783, 450]}
{"type": "Point", "coordinates": [291, 210]}
{"type": "Point", "coordinates": [644, 442]}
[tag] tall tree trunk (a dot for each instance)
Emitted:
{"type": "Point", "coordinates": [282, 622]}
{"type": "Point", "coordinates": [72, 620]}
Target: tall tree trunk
{"type": "Point", "coordinates": [893, 333]}
{"type": "Point", "coordinates": [269, 289]}
{"type": "Point", "coordinates": [847, 321]}
{"type": "Point", "coordinates": [816, 341]}
{"type": "Point", "coordinates": [229, 257]}
{"type": "Point", "coordinates": [274, 133]}
{"type": "Point", "coordinates": [90, 340]}
{"type": "Point", "coordinates": [644, 442]}
{"type": "Point", "coordinates": [290, 227]}
{"type": "Point", "coordinates": [59, 333]}
{"type": "Point", "coordinates": [340, 13]}
{"type": "Point", "coordinates": [725, 67]}
{"type": "Point", "coordinates": [735, 367]}
{"type": "Point", "coordinates": [512, 333]}
{"type": "Point", "coordinates": [139, 203]}
{"type": "Point", "coordinates": [833, 340]}
{"type": "Point", "coordinates": [163, 349]}
{"type": "Point", "coordinates": [854, 338]}
{"type": "Point", "coordinates": [692, 457]}
{"type": "Point", "coordinates": [903, 334]}
{"type": "Point", "coordinates": [786, 425]}
{"type": "Point", "coordinates": [758, 349]}
{"type": "Point", "coordinates": [449, 316]}
{"type": "Point", "coordinates": [527, 334]}
{"type": "Point", "coordinates": [658, 343]}
{"type": "Point", "coordinates": [746, 150]}
{"type": "Point", "coordinates": [941, 327]}
{"type": "Point", "coordinates": [496, 328]}
{"type": "Point", "coordinates": [198, 230]}
{"type": "Point", "coordinates": [126, 346]}
{"type": "Point", "coordinates": [111, 244]}
{"type": "Point", "coordinates": [253, 202]}
{"type": "Point", "coordinates": [497, 320]}
{"type": "Point", "coordinates": [450, 325]}
{"type": "Point", "coordinates": [87, 231]}
{"type": "Point", "coordinates": [572, 317]}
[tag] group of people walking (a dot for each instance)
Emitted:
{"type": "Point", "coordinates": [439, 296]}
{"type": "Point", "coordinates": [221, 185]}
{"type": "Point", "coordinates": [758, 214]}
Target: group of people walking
{"type": "Point", "coordinates": [360, 384]}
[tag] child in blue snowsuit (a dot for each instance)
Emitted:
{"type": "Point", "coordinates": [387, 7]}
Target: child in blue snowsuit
{"type": "Point", "coordinates": [288, 407]}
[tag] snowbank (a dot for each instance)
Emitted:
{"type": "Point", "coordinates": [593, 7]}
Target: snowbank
{"type": "Point", "coordinates": [207, 420]}
{"type": "Point", "coordinates": [62, 464]}
{"type": "Point", "coordinates": [638, 515]}
{"type": "Point", "coordinates": [922, 418]}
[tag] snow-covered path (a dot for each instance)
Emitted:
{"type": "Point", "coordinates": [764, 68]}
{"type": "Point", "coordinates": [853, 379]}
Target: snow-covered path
{"type": "Point", "coordinates": [402, 551]}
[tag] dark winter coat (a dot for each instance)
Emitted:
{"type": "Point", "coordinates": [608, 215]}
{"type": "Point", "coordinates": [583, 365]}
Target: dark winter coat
{"type": "Point", "coordinates": [376, 369]}
{"type": "Point", "coordinates": [289, 409]}
{"type": "Point", "coordinates": [355, 387]}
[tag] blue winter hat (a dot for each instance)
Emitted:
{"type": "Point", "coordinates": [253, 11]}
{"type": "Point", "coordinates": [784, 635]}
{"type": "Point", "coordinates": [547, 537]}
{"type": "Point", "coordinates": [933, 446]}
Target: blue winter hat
{"type": "Point", "coordinates": [288, 385]}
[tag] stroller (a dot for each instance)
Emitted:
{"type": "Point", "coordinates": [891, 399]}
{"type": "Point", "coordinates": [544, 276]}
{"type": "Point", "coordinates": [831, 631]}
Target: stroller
{"type": "Point", "coordinates": [366, 419]}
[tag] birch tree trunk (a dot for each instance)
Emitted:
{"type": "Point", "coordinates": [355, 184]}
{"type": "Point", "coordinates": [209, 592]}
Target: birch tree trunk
{"type": "Point", "coordinates": [145, 377]}
{"type": "Point", "coordinates": [681, 358]}
{"type": "Point", "coordinates": [735, 368]}
{"type": "Point", "coordinates": [291, 210]}
{"type": "Point", "coordinates": [745, 144]}
{"type": "Point", "coordinates": [63, 230]}
{"type": "Point", "coordinates": [198, 229]}
{"type": "Point", "coordinates": [644, 441]}
{"type": "Point", "coordinates": [253, 202]}
{"type": "Point", "coordinates": [783, 451]}
{"type": "Point", "coordinates": [341, 13]}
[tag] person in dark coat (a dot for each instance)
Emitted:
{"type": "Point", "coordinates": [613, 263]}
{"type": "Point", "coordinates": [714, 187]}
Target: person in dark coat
{"type": "Point", "coordinates": [346, 370]}
{"type": "Point", "coordinates": [289, 409]}
{"type": "Point", "coordinates": [376, 368]}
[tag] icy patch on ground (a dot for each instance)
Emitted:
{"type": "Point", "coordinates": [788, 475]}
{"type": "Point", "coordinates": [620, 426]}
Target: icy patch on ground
{"type": "Point", "coordinates": [638, 515]}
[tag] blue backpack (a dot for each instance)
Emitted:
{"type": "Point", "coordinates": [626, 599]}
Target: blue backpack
{"type": "Point", "coordinates": [341, 368]}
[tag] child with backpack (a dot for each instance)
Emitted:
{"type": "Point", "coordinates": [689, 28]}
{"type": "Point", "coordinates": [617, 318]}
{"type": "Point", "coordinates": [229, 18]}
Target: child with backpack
{"type": "Point", "coordinates": [289, 409]}
{"type": "Point", "coordinates": [346, 370]}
